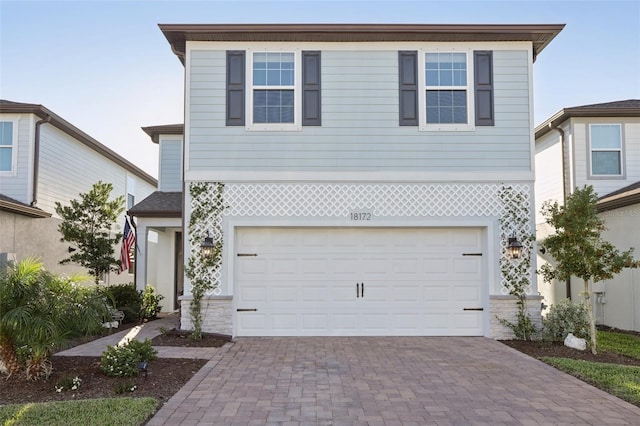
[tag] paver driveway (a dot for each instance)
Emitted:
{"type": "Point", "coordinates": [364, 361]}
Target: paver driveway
{"type": "Point", "coordinates": [386, 381]}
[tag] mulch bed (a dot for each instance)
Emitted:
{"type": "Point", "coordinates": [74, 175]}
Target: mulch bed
{"type": "Point", "coordinates": [165, 376]}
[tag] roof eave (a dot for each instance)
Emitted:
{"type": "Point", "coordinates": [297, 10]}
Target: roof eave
{"type": "Point", "coordinates": [540, 35]}
{"type": "Point", "coordinates": [567, 113]}
{"type": "Point", "coordinates": [618, 201]}
{"type": "Point", "coordinates": [154, 132]}
{"type": "Point", "coordinates": [23, 210]}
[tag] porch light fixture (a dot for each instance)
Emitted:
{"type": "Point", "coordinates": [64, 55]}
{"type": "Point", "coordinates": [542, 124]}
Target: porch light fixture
{"type": "Point", "coordinates": [206, 249]}
{"type": "Point", "coordinates": [514, 247]}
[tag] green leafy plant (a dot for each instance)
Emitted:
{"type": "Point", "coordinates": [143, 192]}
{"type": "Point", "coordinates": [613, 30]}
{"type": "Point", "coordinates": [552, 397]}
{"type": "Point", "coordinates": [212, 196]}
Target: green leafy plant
{"type": "Point", "coordinates": [68, 383]}
{"type": "Point", "coordinates": [517, 272]}
{"type": "Point", "coordinates": [38, 312]}
{"type": "Point", "coordinates": [127, 299]}
{"type": "Point", "coordinates": [125, 387]}
{"type": "Point", "coordinates": [150, 303]}
{"type": "Point", "coordinates": [564, 318]}
{"type": "Point", "coordinates": [86, 223]}
{"type": "Point", "coordinates": [123, 360]}
{"type": "Point", "coordinates": [200, 268]}
{"type": "Point", "coordinates": [578, 248]}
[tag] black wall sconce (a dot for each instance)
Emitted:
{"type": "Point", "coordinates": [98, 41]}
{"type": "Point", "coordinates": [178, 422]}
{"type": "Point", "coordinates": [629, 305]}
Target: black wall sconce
{"type": "Point", "coordinates": [514, 247]}
{"type": "Point", "coordinates": [206, 248]}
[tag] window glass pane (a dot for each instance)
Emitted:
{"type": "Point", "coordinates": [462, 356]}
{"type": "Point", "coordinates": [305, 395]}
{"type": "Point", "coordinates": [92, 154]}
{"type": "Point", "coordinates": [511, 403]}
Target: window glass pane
{"type": "Point", "coordinates": [605, 163]}
{"type": "Point", "coordinates": [605, 136]}
{"type": "Point", "coordinates": [273, 77]}
{"type": "Point", "coordinates": [273, 106]}
{"type": "Point", "coordinates": [432, 78]}
{"type": "Point", "coordinates": [446, 106]}
{"type": "Point", "coordinates": [259, 77]}
{"type": "Point", "coordinates": [5, 159]}
{"type": "Point", "coordinates": [446, 78]}
{"type": "Point", "coordinates": [6, 133]}
{"type": "Point", "coordinates": [273, 69]}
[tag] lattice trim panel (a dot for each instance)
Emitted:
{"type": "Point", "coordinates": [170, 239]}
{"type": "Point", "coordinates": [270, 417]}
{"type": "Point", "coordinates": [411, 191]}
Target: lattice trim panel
{"type": "Point", "coordinates": [338, 200]}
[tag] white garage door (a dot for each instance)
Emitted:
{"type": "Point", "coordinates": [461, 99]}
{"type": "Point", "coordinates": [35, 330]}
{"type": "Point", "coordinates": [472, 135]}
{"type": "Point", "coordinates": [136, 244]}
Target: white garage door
{"type": "Point", "coordinates": [358, 282]}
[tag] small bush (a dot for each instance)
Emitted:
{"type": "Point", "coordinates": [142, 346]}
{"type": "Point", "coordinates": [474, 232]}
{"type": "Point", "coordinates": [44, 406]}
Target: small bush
{"type": "Point", "coordinates": [68, 383]}
{"type": "Point", "coordinates": [150, 303]}
{"type": "Point", "coordinates": [564, 318]}
{"type": "Point", "coordinates": [122, 361]}
{"type": "Point", "coordinates": [126, 299]}
{"type": "Point", "coordinates": [125, 387]}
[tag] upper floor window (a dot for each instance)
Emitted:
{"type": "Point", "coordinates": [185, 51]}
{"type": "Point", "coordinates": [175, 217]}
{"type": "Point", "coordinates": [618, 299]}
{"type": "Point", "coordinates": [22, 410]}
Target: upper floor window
{"type": "Point", "coordinates": [7, 148]}
{"type": "Point", "coordinates": [446, 87]}
{"type": "Point", "coordinates": [131, 190]}
{"type": "Point", "coordinates": [281, 90]}
{"type": "Point", "coordinates": [605, 142]}
{"type": "Point", "coordinates": [274, 87]}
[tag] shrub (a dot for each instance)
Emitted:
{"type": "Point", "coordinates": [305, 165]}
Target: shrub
{"type": "Point", "coordinates": [150, 303]}
{"type": "Point", "coordinates": [125, 387]}
{"type": "Point", "coordinates": [564, 318]}
{"type": "Point", "coordinates": [122, 361]}
{"type": "Point", "coordinates": [68, 383]}
{"type": "Point", "coordinates": [127, 299]}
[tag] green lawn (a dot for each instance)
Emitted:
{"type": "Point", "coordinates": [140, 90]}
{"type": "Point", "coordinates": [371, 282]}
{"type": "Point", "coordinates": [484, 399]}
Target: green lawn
{"type": "Point", "coordinates": [619, 380]}
{"type": "Point", "coordinates": [625, 344]}
{"type": "Point", "coordinates": [89, 412]}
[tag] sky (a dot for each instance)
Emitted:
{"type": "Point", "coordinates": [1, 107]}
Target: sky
{"type": "Point", "coordinates": [105, 67]}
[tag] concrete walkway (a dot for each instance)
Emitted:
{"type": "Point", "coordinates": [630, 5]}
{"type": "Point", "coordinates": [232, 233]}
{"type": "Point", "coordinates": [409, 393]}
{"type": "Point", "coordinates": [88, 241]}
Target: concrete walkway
{"type": "Point", "coordinates": [385, 381]}
{"type": "Point", "coordinates": [148, 330]}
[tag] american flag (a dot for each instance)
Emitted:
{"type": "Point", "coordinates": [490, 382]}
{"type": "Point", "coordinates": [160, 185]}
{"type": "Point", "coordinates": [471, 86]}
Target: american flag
{"type": "Point", "coordinates": [128, 240]}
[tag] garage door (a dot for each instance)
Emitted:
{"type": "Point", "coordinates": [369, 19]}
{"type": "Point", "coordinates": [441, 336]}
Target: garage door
{"type": "Point", "coordinates": [358, 282]}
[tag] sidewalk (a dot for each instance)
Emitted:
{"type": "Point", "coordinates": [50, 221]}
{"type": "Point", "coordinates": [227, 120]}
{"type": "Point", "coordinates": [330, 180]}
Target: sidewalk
{"type": "Point", "coordinates": [147, 330]}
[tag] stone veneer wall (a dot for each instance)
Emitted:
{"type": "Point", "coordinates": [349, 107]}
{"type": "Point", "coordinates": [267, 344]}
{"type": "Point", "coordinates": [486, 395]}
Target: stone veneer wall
{"type": "Point", "coordinates": [216, 314]}
{"type": "Point", "coordinates": [506, 307]}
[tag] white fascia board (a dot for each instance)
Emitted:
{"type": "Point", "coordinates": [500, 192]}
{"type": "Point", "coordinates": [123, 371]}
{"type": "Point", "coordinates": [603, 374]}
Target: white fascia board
{"type": "Point", "coordinates": [357, 176]}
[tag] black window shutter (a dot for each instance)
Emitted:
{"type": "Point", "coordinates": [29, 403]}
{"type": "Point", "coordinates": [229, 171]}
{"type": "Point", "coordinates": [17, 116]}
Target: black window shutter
{"type": "Point", "coordinates": [235, 87]}
{"type": "Point", "coordinates": [483, 70]}
{"type": "Point", "coordinates": [311, 102]}
{"type": "Point", "coordinates": [408, 68]}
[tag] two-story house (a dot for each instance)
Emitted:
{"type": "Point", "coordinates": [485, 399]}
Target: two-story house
{"type": "Point", "coordinates": [349, 176]}
{"type": "Point", "coordinates": [597, 145]}
{"type": "Point", "coordinates": [45, 159]}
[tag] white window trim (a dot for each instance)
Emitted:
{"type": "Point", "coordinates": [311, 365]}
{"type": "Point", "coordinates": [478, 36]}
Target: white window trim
{"type": "Point", "coordinates": [14, 148]}
{"type": "Point", "coordinates": [620, 150]}
{"type": "Point", "coordinates": [297, 95]}
{"type": "Point", "coordinates": [422, 95]}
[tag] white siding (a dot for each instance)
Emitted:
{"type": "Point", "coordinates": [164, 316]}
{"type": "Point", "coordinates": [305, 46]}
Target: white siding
{"type": "Point", "coordinates": [68, 168]}
{"type": "Point", "coordinates": [548, 171]}
{"type": "Point", "coordinates": [16, 185]}
{"type": "Point", "coordinates": [170, 176]}
{"type": "Point", "coordinates": [631, 154]}
{"type": "Point", "coordinates": [360, 130]}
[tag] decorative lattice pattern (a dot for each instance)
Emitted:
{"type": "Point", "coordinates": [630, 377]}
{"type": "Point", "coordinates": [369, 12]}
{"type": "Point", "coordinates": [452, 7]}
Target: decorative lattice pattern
{"type": "Point", "coordinates": [209, 224]}
{"type": "Point", "coordinates": [336, 200]}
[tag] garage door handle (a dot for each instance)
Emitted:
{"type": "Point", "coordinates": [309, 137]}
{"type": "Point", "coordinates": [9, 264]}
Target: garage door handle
{"type": "Point", "coordinates": [246, 310]}
{"type": "Point", "coordinates": [473, 309]}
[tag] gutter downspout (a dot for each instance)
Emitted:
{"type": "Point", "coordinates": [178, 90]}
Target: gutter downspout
{"type": "Point", "coordinates": [565, 184]}
{"type": "Point", "coordinates": [36, 160]}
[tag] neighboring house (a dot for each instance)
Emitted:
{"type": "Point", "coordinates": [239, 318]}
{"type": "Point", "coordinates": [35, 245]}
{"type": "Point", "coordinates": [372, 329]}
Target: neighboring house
{"type": "Point", "coordinates": [596, 145]}
{"type": "Point", "coordinates": [358, 171]}
{"type": "Point", "coordinates": [44, 159]}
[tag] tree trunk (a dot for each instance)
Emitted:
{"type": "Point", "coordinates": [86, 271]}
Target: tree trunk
{"type": "Point", "coordinates": [592, 320]}
{"type": "Point", "coordinates": [8, 355]}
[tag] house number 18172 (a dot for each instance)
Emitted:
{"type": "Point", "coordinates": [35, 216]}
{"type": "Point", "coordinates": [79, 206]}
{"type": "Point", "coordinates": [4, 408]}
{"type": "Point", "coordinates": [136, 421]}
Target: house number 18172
{"type": "Point", "coordinates": [360, 216]}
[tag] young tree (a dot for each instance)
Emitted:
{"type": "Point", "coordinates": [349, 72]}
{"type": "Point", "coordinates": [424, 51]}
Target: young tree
{"type": "Point", "coordinates": [578, 248]}
{"type": "Point", "coordinates": [86, 224]}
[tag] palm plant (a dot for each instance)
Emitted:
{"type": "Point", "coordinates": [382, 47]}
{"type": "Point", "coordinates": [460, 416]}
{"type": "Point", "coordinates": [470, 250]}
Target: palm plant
{"type": "Point", "coordinates": [38, 311]}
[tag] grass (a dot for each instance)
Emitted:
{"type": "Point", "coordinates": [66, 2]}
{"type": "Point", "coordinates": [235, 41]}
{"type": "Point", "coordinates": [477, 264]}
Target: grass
{"type": "Point", "coordinates": [621, 343]}
{"type": "Point", "coordinates": [619, 380]}
{"type": "Point", "coordinates": [102, 412]}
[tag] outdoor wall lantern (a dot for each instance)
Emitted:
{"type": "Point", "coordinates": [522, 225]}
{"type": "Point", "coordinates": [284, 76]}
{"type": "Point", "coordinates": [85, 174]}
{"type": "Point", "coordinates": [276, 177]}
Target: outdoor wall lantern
{"type": "Point", "coordinates": [514, 247]}
{"type": "Point", "coordinates": [206, 249]}
{"type": "Point", "coordinates": [143, 367]}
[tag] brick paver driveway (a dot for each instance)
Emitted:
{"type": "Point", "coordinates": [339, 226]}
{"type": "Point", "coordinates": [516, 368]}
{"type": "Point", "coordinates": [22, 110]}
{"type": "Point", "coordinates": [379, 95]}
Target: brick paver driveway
{"type": "Point", "coordinates": [386, 381]}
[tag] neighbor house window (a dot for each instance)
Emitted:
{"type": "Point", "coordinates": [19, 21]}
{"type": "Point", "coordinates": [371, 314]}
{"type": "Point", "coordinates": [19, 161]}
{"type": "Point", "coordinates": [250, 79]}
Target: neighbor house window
{"type": "Point", "coordinates": [273, 87]}
{"type": "Point", "coordinates": [131, 189]}
{"type": "Point", "coordinates": [446, 88]}
{"type": "Point", "coordinates": [606, 149]}
{"type": "Point", "coordinates": [6, 146]}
